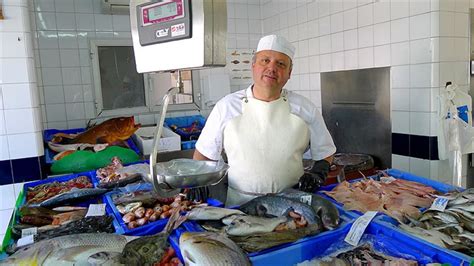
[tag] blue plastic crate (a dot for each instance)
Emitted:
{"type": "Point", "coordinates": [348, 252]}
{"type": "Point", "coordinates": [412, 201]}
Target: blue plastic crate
{"type": "Point", "coordinates": [388, 240]}
{"type": "Point", "coordinates": [346, 218]}
{"type": "Point", "coordinates": [49, 133]}
{"type": "Point", "coordinates": [147, 229]}
{"type": "Point", "coordinates": [188, 140]}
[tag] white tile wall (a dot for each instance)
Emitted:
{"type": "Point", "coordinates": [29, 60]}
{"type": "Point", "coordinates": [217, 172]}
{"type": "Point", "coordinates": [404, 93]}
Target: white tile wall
{"type": "Point", "coordinates": [424, 42]}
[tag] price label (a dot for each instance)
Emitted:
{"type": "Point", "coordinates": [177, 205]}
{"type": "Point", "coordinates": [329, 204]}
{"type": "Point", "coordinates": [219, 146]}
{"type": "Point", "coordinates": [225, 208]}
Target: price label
{"type": "Point", "coordinates": [29, 231]}
{"type": "Point", "coordinates": [439, 204]}
{"type": "Point", "coordinates": [306, 199]}
{"type": "Point", "coordinates": [25, 241]}
{"type": "Point", "coordinates": [96, 210]}
{"type": "Point", "coordinates": [358, 227]}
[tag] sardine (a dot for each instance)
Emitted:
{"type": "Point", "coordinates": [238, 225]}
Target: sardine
{"type": "Point", "coordinates": [245, 225]}
{"type": "Point", "coordinates": [276, 206]}
{"type": "Point", "coordinates": [323, 207]}
{"type": "Point", "coordinates": [208, 248]}
{"type": "Point", "coordinates": [210, 213]}
{"type": "Point", "coordinates": [70, 196]}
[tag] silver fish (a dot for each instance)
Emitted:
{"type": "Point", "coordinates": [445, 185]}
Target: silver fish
{"type": "Point", "coordinates": [210, 213]}
{"type": "Point", "coordinates": [72, 195]}
{"type": "Point", "coordinates": [70, 249]}
{"type": "Point", "coordinates": [467, 207]}
{"type": "Point", "coordinates": [244, 225]}
{"type": "Point", "coordinates": [68, 208]}
{"type": "Point", "coordinates": [208, 248]}
{"type": "Point", "coordinates": [276, 206]}
{"type": "Point", "coordinates": [323, 207]}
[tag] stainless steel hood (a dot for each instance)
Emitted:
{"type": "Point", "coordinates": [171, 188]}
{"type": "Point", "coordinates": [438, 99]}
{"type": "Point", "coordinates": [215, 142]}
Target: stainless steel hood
{"type": "Point", "coordinates": [178, 34]}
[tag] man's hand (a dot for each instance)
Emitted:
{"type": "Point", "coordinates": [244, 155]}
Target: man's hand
{"type": "Point", "coordinates": [309, 182]}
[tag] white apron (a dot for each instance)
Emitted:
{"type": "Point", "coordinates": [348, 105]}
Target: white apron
{"type": "Point", "coordinates": [264, 147]}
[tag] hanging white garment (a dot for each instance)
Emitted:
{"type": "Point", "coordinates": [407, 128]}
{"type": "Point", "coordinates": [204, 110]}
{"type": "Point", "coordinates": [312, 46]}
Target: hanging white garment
{"type": "Point", "coordinates": [456, 134]}
{"type": "Point", "coordinates": [455, 119]}
{"type": "Point", "coordinates": [264, 147]}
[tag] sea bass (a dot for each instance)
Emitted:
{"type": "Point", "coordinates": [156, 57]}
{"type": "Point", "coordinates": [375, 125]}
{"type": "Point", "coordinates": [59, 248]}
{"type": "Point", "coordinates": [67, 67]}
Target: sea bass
{"type": "Point", "coordinates": [208, 248]}
{"type": "Point", "coordinates": [67, 250]}
{"type": "Point", "coordinates": [111, 131]}
{"type": "Point", "coordinates": [210, 213]}
{"type": "Point", "coordinates": [277, 206]}
{"type": "Point", "coordinates": [324, 208]}
{"type": "Point", "coordinates": [243, 225]}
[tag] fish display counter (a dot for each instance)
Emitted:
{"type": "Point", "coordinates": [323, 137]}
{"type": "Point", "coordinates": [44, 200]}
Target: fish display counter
{"type": "Point", "coordinates": [385, 245]}
{"type": "Point", "coordinates": [288, 228]}
{"type": "Point", "coordinates": [415, 205]}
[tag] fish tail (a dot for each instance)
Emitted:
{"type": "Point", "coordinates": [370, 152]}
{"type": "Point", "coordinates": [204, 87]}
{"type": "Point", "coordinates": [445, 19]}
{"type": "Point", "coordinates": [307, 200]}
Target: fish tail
{"type": "Point", "coordinates": [175, 220]}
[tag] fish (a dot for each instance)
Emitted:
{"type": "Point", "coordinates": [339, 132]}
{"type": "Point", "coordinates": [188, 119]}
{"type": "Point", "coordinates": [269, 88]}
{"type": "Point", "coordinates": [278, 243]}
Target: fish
{"type": "Point", "coordinates": [324, 208]}
{"type": "Point", "coordinates": [261, 241]}
{"type": "Point", "coordinates": [68, 208]}
{"type": "Point", "coordinates": [91, 224]}
{"type": "Point", "coordinates": [209, 248]}
{"type": "Point", "coordinates": [112, 131]}
{"type": "Point", "coordinates": [70, 249]}
{"type": "Point", "coordinates": [67, 217]}
{"type": "Point", "coordinates": [74, 147]}
{"type": "Point", "coordinates": [210, 213]}
{"type": "Point", "coordinates": [147, 197]}
{"type": "Point", "coordinates": [121, 182]}
{"type": "Point", "coordinates": [148, 250]}
{"type": "Point", "coordinates": [243, 225]}
{"type": "Point", "coordinates": [272, 205]}
{"type": "Point", "coordinates": [70, 196]}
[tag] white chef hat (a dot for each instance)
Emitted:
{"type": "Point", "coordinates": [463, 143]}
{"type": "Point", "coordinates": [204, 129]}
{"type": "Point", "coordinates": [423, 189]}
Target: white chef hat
{"type": "Point", "coordinates": [276, 43]}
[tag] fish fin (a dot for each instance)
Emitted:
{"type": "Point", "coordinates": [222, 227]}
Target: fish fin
{"type": "Point", "coordinates": [101, 140]}
{"type": "Point", "coordinates": [261, 210]}
{"type": "Point", "coordinates": [175, 220]}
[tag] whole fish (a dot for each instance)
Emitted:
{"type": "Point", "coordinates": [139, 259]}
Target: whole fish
{"type": "Point", "coordinates": [74, 147]}
{"type": "Point", "coordinates": [208, 248]}
{"type": "Point", "coordinates": [121, 182]}
{"type": "Point", "coordinates": [244, 225]}
{"type": "Point", "coordinates": [149, 250]}
{"type": "Point", "coordinates": [111, 131]}
{"type": "Point", "coordinates": [70, 249]}
{"type": "Point", "coordinates": [70, 196]}
{"type": "Point", "coordinates": [261, 241]}
{"type": "Point", "coordinates": [210, 213]}
{"type": "Point", "coordinates": [323, 207]}
{"type": "Point", "coordinates": [276, 206]}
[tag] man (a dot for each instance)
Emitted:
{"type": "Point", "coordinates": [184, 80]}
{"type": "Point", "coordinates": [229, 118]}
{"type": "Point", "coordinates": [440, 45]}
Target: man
{"type": "Point", "coordinates": [265, 130]}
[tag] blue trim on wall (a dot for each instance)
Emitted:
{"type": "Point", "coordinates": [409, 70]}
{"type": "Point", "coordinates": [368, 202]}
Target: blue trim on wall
{"type": "Point", "coordinates": [422, 147]}
{"type": "Point", "coordinates": [22, 170]}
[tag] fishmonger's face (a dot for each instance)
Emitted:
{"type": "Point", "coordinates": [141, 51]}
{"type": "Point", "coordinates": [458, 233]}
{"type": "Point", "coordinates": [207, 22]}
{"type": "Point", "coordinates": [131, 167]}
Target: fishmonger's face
{"type": "Point", "coordinates": [271, 69]}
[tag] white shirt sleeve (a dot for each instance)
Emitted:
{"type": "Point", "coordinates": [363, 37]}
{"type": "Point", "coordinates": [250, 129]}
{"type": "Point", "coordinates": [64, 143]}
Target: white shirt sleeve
{"type": "Point", "coordinates": [209, 143]}
{"type": "Point", "coordinates": [321, 142]}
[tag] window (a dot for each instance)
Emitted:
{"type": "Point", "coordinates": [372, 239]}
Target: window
{"type": "Point", "coordinates": [120, 90]}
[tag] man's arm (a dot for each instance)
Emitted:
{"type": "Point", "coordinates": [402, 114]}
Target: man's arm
{"type": "Point", "coordinates": [199, 156]}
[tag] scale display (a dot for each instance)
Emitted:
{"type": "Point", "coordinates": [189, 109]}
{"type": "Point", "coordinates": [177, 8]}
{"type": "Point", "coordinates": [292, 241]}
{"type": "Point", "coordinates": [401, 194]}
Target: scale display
{"type": "Point", "coordinates": [164, 21]}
